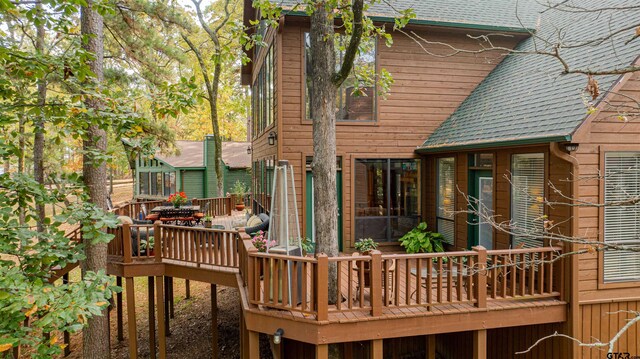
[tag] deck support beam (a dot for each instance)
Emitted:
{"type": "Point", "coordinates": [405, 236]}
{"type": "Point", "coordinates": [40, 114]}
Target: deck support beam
{"type": "Point", "coordinates": [187, 289]}
{"type": "Point", "coordinates": [479, 344]}
{"type": "Point", "coordinates": [376, 349]}
{"type": "Point", "coordinates": [172, 307]}
{"type": "Point", "coordinates": [322, 351]}
{"type": "Point", "coordinates": [119, 310]}
{"type": "Point", "coordinates": [162, 338]}
{"type": "Point", "coordinates": [254, 344]}
{"type": "Point", "coordinates": [214, 321]}
{"type": "Point", "coordinates": [131, 318]}
{"type": "Point", "coordinates": [431, 347]}
{"type": "Point", "coordinates": [152, 318]}
{"type": "Point", "coordinates": [165, 303]}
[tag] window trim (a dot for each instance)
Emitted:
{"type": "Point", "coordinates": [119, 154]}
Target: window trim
{"type": "Point", "coordinates": [303, 89]}
{"type": "Point", "coordinates": [603, 149]}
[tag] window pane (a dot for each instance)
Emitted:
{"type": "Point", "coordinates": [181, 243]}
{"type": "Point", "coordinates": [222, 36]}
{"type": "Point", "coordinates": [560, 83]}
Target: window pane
{"type": "Point", "coordinates": [355, 100]}
{"type": "Point", "coordinates": [370, 188]}
{"type": "Point", "coordinates": [445, 201]}
{"type": "Point", "coordinates": [154, 183]}
{"type": "Point", "coordinates": [622, 223]}
{"type": "Point", "coordinates": [527, 194]}
{"type": "Point", "coordinates": [144, 182]}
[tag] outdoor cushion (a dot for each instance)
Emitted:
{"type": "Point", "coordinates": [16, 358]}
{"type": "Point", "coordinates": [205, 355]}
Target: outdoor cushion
{"type": "Point", "coordinates": [199, 215]}
{"type": "Point", "coordinates": [152, 217]}
{"type": "Point", "coordinates": [264, 226]}
{"type": "Point", "coordinates": [254, 221]}
{"type": "Point", "coordinates": [125, 220]}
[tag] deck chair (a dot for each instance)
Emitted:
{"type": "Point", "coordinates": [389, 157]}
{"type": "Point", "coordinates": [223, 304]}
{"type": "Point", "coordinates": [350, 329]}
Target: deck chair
{"type": "Point", "coordinates": [367, 278]}
{"type": "Point", "coordinates": [200, 215]}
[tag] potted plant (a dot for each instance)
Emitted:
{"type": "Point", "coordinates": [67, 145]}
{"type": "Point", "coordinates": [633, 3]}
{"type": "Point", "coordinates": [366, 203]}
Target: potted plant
{"type": "Point", "coordinates": [365, 245]}
{"type": "Point", "coordinates": [308, 247]}
{"type": "Point", "coordinates": [208, 220]}
{"type": "Point", "coordinates": [177, 199]}
{"type": "Point", "coordinates": [261, 243]}
{"type": "Point", "coordinates": [147, 245]}
{"type": "Point", "coordinates": [420, 240]}
{"type": "Point", "coordinates": [239, 190]}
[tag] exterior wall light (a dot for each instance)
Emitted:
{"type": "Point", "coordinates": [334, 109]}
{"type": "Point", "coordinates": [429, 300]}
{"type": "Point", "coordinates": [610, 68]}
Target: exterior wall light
{"type": "Point", "coordinates": [249, 150]}
{"type": "Point", "coordinates": [277, 336]}
{"type": "Point", "coordinates": [272, 138]}
{"type": "Point", "coordinates": [571, 147]}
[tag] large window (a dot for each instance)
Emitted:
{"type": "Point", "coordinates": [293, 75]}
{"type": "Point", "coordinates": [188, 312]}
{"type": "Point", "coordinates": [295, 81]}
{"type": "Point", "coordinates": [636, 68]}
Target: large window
{"type": "Point", "coordinates": [622, 222]}
{"type": "Point", "coordinates": [386, 198]}
{"type": "Point", "coordinates": [144, 182]}
{"type": "Point", "coordinates": [157, 183]}
{"type": "Point", "coordinates": [527, 194]}
{"type": "Point", "coordinates": [445, 201]}
{"type": "Point", "coordinates": [263, 95]}
{"type": "Point", "coordinates": [355, 100]}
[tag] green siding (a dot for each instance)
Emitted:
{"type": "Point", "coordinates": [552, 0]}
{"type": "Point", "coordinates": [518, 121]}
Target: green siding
{"type": "Point", "coordinates": [233, 175]}
{"type": "Point", "coordinates": [193, 183]}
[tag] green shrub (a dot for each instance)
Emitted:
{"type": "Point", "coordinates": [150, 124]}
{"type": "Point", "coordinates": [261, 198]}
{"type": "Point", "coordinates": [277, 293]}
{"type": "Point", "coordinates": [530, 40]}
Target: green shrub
{"type": "Point", "coordinates": [420, 240]}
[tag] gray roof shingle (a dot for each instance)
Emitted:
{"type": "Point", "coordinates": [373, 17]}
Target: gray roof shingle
{"type": "Point", "coordinates": [458, 13]}
{"type": "Point", "coordinates": [526, 98]}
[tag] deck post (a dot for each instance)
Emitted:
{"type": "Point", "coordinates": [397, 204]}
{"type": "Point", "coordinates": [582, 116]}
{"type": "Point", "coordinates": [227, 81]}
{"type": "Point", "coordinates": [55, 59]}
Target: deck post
{"type": "Point", "coordinates": [165, 304]}
{"type": "Point", "coordinates": [322, 287]}
{"type": "Point", "coordinates": [119, 310]}
{"type": "Point", "coordinates": [126, 243]}
{"type": "Point", "coordinates": [254, 344]}
{"type": "Point", "coordinates": [480, 344]}
{"type": "Point", "coordinates": [162, 338]}
{"type": "Point", "coordinates": [172, 306]}
{"type": "Point", "coordinates": [376, 283]}
{"type": "Point", "coordinates": [431, 347]}
{"type": "Point", "coordinates": [187, 289]}
{"type": "Point", "coordinates": [376, 349]}
{"type": "Point", "coordinates": [214, 321]}
{"type": "Point", "coordinates": [159, 245]}
{"type": "Point", "coordinates": [480, 288]}
{"type": "Point", "coordinates": [152, 319]}
{"type": "Point", "coordinates": [322, 351]}
{"type": "Point", "coordinates": [131, 318]}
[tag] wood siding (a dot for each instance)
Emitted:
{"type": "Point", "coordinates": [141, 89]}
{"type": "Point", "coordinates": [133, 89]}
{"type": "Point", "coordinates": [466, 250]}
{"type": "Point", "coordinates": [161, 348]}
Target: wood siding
{"type": "Point", "coordinates": [427, 89]}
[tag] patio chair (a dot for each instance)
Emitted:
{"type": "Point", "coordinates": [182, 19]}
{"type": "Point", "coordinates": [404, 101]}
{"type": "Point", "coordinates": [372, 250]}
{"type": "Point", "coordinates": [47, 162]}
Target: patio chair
{"type": "Point", "coordinates": [185, 216]}
{"type": "Point", "coordinates": [149, 216]}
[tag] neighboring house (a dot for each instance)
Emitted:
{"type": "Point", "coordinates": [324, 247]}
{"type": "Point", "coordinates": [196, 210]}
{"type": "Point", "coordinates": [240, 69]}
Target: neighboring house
{"type": "Point", "coordinates": [192, 170]}
{"type": "Point", "coordinates": [504, 130]}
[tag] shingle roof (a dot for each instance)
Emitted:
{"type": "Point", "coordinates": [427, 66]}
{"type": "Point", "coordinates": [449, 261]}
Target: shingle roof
{"type": "Point", "coordinates": [489, 14]}
{"type": "Point", "coordinates": [234, 154]}
{"type": "Point", "coordinates": [526, 99]}
{"type": "Point", "coordinates": [191, 154]}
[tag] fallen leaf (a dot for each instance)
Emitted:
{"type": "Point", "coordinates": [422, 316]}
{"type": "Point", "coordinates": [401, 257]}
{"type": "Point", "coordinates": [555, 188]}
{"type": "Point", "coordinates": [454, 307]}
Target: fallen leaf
{"type": "Point", "coordinates": [31, 311]}
{"type": "Point", "coordinates": [5, 347]}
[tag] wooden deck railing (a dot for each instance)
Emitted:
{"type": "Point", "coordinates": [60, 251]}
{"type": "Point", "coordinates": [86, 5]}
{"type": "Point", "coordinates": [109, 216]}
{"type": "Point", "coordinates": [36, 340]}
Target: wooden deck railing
{"type": "Point", "coordinates": [373, 283]}
{"type": "Point", "coordinates": [197, 245]}
{"type": "Point", "coordinates": [220, 206]}
{"type": "Point", "coordinates": [132, 209]}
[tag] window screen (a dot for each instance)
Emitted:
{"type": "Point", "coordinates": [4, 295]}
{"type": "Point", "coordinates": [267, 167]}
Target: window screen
{"type": "Point", "coordinates": [527, 196]}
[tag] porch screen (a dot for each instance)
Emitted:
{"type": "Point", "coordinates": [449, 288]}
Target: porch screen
{"type": "Point", "coordinates": [527, 193]}
{"type": "Point", "coordinates": [622, 222]}
{"type": "Point", "coordinates": [445, 201]}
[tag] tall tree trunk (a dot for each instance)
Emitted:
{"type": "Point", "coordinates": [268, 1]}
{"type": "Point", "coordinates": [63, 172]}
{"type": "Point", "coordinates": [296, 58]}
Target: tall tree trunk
{"type": "Point", "coordinates": [38, 123]}
{"type": "Point", "coordinates": [324, 139]}
{"type": "Point", "coordinates": [96, 334]}
{"type": "Point", "coordinates": [215, 124]}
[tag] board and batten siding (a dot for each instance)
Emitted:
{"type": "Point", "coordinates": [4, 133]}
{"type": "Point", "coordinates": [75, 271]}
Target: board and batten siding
{"type": "Point", "coordinates": [193, 183]}
{"type": "Point", "coordinates": [427, 89]}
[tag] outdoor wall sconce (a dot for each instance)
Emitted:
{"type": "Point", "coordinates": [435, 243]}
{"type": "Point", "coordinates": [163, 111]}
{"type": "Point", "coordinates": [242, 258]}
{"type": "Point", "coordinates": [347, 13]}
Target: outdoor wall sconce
{"type": "Point", "coordinates": [272, 138]}
{"type": "Point", "coordinates": [249, 150]}
{"type": "Point", "coordinates": [571, 147]}
{"type": "Point", "coordinates": [277, 336]}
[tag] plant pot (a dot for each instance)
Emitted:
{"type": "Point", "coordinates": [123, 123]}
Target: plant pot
{"type": "Point", "coordinates": [151, 252]}
{"type": "Point", "coordinates": [239, 206]}
{"type": "Point", "coordinates": [176, 205]}
{"type": "Point", "coordinates": [207, 224]}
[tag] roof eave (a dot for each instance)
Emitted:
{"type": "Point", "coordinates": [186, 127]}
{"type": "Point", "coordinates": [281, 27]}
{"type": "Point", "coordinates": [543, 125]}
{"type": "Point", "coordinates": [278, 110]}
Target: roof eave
{"type": "Point", "coordinates": [461, 25]}
{"type": "Point", "coordinates": [490, 144]}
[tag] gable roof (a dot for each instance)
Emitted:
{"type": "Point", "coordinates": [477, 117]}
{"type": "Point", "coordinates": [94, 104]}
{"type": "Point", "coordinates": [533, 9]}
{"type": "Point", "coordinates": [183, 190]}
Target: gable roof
{"type": "Point", "coordinates": [478, 14]}
{"type": "Point", "coordinates": [234, 154]}
{"type": "Point", "coordinates": [191, 154]}
{"type": "Point", "coordinates": [526, 99]}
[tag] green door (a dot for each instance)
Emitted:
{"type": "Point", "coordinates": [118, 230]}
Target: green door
{"type": "Point", "coordinates": [481, 198]}
{"type": "Point", "coordinates": [310, 223]}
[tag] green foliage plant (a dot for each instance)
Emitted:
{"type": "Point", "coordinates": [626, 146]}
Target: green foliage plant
{"type": "Point", "coordinates": [239, 189]}
{"type": "Point", "coordinates": [365, 245]}
{"type": "Point", "coordinates": [308, 246]}
{"type": "Point", "coordinates": [421, 240]}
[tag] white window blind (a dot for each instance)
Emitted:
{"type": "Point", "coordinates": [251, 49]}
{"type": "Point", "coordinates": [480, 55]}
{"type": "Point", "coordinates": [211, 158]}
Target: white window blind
{"type": "Point", "coordinates": [527, 194]}
{"type": "Point", "coordinates": [446, 198]}
{"type": "Point", "coordinates": [622, 223]}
